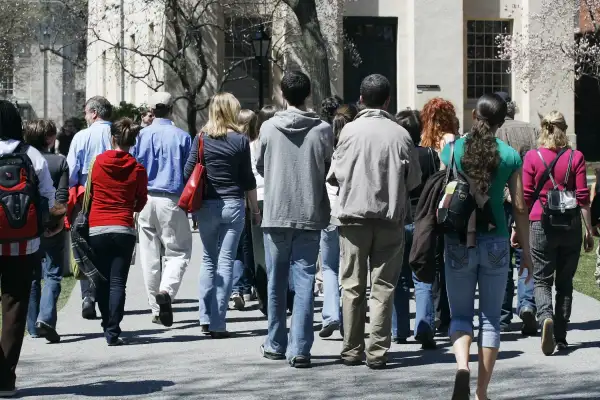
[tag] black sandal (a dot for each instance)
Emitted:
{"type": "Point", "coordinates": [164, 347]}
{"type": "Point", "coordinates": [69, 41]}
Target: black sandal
{"type": "Point", "coordinates": [462, 389]}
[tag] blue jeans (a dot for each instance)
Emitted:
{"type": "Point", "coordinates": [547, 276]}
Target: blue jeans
{"type": "Point", "coordinates": [401, 313]}
{"type": "Point", "coordinates": [485, 265]}
{"type": "Point", "coordinates": [113, 260]}
{"type": "Point", "coordinates": [525, 297]}
{"type": "Point", "coordinates": [220, 224]}
{"type": "Point", "coordinates": [42, 302]}
{"type": "Point", "coordinates": [243, 267]}
{"type": "Point", "coordinates": [291, 253]}
{"type": "Point", "coordinates": [330, 264]}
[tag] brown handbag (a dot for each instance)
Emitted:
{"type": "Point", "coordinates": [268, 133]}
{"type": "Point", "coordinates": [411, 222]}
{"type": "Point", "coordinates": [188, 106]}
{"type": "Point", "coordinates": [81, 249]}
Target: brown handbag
{"type": "Point", "coordinates": [191, 197]}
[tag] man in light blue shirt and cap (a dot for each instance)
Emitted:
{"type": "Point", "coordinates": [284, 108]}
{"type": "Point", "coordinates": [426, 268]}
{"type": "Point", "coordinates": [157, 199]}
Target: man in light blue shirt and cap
{"type": "Point", "coordinates": [164, 231]}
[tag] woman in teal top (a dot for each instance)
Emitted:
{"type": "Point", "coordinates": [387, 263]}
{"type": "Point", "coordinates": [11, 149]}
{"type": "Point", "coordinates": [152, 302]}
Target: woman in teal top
{"type": "Point", "coordinates": [491, 164]}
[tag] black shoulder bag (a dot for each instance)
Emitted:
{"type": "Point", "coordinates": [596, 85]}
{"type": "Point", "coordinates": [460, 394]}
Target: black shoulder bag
{"type": "Point", "coordinates": [457, 203]}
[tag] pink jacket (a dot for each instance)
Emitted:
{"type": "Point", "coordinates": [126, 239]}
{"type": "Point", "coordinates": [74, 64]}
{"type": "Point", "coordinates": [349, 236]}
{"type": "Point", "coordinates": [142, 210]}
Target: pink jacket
{"type": "Point", "coordinates": [533, 169]}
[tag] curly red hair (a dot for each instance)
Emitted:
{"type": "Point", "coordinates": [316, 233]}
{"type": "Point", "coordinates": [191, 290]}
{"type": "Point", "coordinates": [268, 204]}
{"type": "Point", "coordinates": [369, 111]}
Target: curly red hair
{"type": "Point", "coordinates": [438, 117]}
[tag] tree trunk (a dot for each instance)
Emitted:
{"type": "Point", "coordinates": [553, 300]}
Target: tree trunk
{"type": "Point", "coordinates": [192, 114]}
{"type": "Point", "coordinates": [314, 50]}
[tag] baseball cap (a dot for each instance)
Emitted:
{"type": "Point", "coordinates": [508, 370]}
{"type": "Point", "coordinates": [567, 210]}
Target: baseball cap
{"type": "Point", "coordinates": [160, 98]}
{"type": "Point", "coordinates": [504, 96]}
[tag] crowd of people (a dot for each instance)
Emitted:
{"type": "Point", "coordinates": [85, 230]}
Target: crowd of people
{"type": "Point", "coordinates": [296, 203]}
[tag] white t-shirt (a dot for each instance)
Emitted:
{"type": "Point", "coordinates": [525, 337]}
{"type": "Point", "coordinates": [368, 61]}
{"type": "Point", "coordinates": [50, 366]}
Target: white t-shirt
{"type": "Point", "coordinates": [332, 193]}
{"type": "Point", "coordinates": [260, 181]}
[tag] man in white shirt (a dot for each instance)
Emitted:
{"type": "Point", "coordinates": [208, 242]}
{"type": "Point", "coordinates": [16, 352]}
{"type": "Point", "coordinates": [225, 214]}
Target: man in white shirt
{"type": "Point", "coordinates": [86, 145]}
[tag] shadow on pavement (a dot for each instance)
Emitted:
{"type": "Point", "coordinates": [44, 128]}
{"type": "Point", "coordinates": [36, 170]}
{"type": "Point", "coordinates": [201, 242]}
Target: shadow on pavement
{"type": "Point", "coordinates": [261, 317]}
{"type": "Point", "coordinates": [175, 310]}
{"type": "Point", "coordinates": [78, 337]}
{"type": "Point", "coordinates": [185, 301]}
{"type": "Point", "coordinates": [100, 389]}
{"type": "Point", "coordinates": [136, 340]}
{"type": "Point", "coordinates": [584, 326]}
{"type": "Point", "coordinates": [577, 346]}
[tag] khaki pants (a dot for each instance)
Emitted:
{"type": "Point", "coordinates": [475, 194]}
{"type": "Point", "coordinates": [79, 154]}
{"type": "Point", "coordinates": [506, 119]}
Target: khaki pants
{"type": "Point", "coordinates": [165, 246]}
{"type": "Point", "coordinates": [378, 247]}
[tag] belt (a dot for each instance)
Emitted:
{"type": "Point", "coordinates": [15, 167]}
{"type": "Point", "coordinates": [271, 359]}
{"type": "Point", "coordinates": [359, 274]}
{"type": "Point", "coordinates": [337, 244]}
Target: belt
{"type": "Point", "coordinates": [163, 194]}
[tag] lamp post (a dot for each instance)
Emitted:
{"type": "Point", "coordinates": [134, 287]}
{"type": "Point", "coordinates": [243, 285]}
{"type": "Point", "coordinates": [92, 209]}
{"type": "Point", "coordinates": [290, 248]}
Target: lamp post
{"type": "Point", "coordinates": [261, 43]}
{"type": "Point", "coordinates": [44, 47]}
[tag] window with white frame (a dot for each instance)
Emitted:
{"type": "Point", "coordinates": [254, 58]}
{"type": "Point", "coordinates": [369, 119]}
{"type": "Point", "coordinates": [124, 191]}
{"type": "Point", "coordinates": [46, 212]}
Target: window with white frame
{"type": "Point", "coordinates": [7, 77]}
{"type": "Point", "coordinates": [486, 72]}
{"type": "Point", "coordinates": [243, 68]}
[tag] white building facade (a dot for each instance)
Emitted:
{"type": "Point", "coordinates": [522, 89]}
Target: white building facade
{"type": "Point", "coordinates": [427, 48]}
{"type": "Point", "coordinates": [43, 84]}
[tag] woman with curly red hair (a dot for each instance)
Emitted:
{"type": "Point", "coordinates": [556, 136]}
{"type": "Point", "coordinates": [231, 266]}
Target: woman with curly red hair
{"type": "Point", "coordinates": [439, 123]}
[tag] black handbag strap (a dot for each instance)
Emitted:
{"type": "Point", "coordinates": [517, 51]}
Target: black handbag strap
{"type": "Point", "coordinates": [545, 176]}
{"type": "Point", "coordinates": [451, 165]}
{"type": "Point", "coordinates": [569, 169]}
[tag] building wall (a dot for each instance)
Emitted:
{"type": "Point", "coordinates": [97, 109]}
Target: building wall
{"type": "Point", "coordinates": [144, 30]}
{"type": "Point", "coordinates": [431, 50]}
{"type": "Point", "coordinates": [65, 83]}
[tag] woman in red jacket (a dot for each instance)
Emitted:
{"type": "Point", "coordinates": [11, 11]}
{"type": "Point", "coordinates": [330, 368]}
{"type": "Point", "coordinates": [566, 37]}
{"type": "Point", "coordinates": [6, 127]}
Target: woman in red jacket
{"type": "Point", "coordinates": [119, 188]}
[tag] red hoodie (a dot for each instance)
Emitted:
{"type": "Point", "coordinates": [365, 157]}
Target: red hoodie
{"type": "Point", "coordinates": [119, 188]}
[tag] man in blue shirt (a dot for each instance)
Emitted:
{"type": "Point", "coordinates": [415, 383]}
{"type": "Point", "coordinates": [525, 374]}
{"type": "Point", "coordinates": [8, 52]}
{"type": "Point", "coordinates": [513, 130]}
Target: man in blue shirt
{"type": "Point", "coordinates": [164, 230]}
{"type": "Point", "coordinates": [86, 145]}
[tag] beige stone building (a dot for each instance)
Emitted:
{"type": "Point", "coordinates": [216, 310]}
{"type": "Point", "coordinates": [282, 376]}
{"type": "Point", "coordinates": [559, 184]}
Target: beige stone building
{"type": "Point", "coordinates": [44, 85]}
{"type": "Point", "coordinates": [426, 48]}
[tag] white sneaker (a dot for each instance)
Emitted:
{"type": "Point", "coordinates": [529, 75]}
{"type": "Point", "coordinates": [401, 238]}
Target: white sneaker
{"type": "Point", "coordinates": [238, 301]}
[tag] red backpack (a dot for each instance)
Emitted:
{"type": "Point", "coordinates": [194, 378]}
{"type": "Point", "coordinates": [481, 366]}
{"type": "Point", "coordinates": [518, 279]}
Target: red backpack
{"type": "Point", "coordinates": [21, 215]}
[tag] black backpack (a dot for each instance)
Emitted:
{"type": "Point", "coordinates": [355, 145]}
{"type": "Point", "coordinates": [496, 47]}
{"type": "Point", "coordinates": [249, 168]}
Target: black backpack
{"type": "Point", "coordinates": [561, 211]}
{"type": "Point", "coordinates": [457, 204]}
{"type": "Point", "coordinates": [21, 206]}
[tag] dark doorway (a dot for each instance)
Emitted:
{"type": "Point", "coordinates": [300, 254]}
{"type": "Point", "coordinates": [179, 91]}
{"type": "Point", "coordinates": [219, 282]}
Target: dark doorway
{"type": "Point", "coordinates": [375, 41]}
{"type": "Point", "coordinates": [587, 103]}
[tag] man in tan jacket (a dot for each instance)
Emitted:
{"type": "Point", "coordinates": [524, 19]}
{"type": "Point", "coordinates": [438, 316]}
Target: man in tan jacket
{"type": "Point", "coordinates": [375, 166]}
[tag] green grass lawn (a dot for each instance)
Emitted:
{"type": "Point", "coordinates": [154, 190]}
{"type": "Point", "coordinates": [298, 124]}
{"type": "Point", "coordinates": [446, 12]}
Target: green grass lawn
{"type": "Point", "coordinates": [584, 281]}
{"type": "Point", "coordinates": [591, 167]}
{"type": "Point", "coordinates": [68, 283]}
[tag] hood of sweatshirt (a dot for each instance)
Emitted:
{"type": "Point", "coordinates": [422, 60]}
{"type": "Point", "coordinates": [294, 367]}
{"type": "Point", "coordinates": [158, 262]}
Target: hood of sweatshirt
{"type": "Point", "coordinates": [375, 113]}
{"type": "Point", "coordinates": [117, 164]}
{"type": "Point", "coordinates": [294, 121]}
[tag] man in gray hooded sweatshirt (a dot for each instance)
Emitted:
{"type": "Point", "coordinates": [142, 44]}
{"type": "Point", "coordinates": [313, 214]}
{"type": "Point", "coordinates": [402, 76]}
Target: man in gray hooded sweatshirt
{"type": "Point", "coordinates": [296, 150]}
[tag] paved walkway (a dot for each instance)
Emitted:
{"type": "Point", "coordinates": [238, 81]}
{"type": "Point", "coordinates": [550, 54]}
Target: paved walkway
{"type": "Point", "coordinates": [181, 363]}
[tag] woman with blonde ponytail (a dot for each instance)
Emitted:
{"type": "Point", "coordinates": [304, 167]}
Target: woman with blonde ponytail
{"type": "Point", "coordinates": [490, 164]}
{"type": "Point", "coordinates": [555, 252]}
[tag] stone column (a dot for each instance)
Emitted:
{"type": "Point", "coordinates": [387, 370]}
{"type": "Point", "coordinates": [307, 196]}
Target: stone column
{"type": "Point", "coordinates": [436, 40]}
{"type": "Point", "coordinates": [555, 92]}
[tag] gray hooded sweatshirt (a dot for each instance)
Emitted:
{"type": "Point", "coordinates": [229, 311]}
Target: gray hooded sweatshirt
{"type": "Point", "coordinates": [295, 153]}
